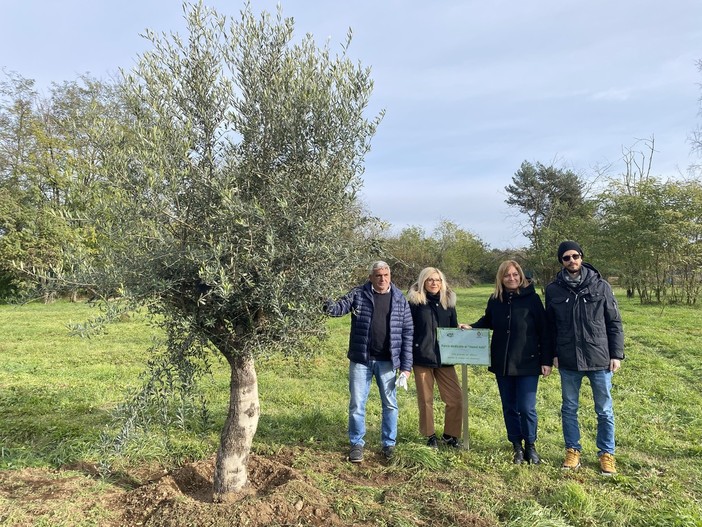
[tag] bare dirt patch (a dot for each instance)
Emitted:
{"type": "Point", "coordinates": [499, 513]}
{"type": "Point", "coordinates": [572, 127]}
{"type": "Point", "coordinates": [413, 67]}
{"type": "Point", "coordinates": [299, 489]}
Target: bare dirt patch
{"type": "Point", "coordinates": [276, 495]}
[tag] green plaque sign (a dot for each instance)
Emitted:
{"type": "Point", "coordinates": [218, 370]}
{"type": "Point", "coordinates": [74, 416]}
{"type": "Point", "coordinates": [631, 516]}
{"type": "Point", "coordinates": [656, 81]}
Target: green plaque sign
{"type": "Point", "coordinates": [464, 346]}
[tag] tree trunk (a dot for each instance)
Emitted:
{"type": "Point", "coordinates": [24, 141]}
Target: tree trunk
{"type": "Point", "coordinates": [230, 474]}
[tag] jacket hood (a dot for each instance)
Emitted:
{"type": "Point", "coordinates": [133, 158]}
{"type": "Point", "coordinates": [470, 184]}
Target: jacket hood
{"type": "Point", "coordinates": [413, 296]}
{"type": "Point", "coordinates": [523, 291]}
{"type": "Point", "coordinates": [528, 290]}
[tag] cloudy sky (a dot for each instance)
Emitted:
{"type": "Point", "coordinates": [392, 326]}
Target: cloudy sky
{"type": "Point", "coordinates": [471, 88]}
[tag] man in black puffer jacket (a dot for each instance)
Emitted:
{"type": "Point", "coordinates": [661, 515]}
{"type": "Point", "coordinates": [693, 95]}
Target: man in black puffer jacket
{"type": "Point", "coordinates": [588, 341]}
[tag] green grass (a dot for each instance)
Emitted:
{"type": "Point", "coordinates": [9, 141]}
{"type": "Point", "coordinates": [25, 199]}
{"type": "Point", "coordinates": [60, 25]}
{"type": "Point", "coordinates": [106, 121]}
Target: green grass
{"type": "Point", "coordinates": [58, 394]}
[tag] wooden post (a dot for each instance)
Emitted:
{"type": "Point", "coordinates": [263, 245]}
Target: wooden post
{"type": "Point", "coordinates": [464, 383]}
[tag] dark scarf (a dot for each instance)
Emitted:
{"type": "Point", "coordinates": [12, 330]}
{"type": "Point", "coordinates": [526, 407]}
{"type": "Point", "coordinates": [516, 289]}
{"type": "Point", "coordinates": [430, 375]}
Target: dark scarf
{"type": "Point", "coordinates": [574, 281]}
{"type": "Point", "coordinates": [443, 316]}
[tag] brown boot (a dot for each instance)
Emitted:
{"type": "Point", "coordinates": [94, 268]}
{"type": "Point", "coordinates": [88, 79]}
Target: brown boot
{"type": "Point", "coordinates": [572, 459]}
{"type": "Point", "coordinates": [607, 465]}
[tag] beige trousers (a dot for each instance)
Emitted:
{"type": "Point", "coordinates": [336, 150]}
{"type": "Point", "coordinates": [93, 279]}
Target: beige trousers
{"type": "Point", "coordinates": [450, 391]}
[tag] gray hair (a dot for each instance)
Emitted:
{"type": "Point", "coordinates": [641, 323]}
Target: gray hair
{"type": "Point", "coordinates": [377, 265]}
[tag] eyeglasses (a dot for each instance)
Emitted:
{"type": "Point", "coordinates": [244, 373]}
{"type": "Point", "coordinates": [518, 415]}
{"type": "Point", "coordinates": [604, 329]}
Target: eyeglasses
{"type": "Point", "coordinates": [567, 257]}
{"type": "Point", "coordinates": [433, 280]}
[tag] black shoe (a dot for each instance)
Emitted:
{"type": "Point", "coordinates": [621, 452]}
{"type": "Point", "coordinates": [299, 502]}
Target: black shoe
{"type": "Point", "coordinates": [530, 454]}
{"type": "Point", "coordinates": [450, 441]}
{"type": "Point", "coordinates": [356, 454]}
{"type": "Point", "coordinates": [388, 452]}
{"type": "Point", "coordinates": [518, 457]}
{"type": "Point", "coordinates": [432, 441]}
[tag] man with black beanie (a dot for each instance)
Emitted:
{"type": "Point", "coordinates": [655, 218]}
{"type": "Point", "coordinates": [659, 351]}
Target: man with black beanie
{"type": "Point", "coordinates": [588, 341]}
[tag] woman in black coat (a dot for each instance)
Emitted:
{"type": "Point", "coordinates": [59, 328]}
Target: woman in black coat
{"type": "Point", "coordinates": [519, 353]}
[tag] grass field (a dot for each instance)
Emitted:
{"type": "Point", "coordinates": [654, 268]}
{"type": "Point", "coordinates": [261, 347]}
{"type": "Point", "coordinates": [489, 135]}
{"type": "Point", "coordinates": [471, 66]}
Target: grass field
{"type": "Point", "coordinates": [58, 394]}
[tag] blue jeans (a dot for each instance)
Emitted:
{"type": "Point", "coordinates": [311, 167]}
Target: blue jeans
{"type": "Point", "coordinates": [601, 383]}
{"type": "Point", "coordinates": [518, 396]}
{"type": "Point", "coordinates": [360, 376]}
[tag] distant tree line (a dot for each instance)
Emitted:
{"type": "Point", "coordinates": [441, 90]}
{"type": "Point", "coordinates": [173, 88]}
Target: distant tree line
{"type": "Point", "coordinates": [51, 150]}
{"type": "Point", "coordinates": [460, 254]}
{"type": "Point", "coordinates": [642, 231]}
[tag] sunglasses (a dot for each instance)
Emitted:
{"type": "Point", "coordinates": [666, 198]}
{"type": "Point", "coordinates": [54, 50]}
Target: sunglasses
{"type": "Point", "coordinates": [567, 257]}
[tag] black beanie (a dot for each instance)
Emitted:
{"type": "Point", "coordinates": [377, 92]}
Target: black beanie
{"type": "Point", "coordinates": [568, 245]}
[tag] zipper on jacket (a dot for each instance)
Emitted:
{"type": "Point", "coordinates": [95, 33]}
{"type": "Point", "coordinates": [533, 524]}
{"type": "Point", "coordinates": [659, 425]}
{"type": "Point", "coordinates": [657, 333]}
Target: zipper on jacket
{"type": "Point", "coordinates": [509, 335]}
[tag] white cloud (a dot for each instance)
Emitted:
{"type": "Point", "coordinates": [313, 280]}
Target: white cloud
{"type": "Point", "coordinates": [612, 94]}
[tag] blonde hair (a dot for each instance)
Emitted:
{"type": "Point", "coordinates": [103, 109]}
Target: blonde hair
{"type": "Point", "coordinates": [501, 272]}
{"type": "Point", "coordinates": [421, 293]}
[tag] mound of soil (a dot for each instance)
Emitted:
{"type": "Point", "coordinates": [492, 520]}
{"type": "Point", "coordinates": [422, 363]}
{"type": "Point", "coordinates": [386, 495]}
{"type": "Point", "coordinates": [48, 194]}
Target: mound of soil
{"type": "Point", "coordinates": [275, 495]}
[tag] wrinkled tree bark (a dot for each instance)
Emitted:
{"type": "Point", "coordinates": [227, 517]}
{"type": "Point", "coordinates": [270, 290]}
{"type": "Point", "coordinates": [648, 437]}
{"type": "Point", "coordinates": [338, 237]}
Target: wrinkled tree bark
{"type": "Point", "coordinates": [230, 474]}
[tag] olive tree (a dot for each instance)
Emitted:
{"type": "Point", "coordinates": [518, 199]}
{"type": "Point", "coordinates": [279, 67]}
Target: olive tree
{"type": "Point", "coordinates": [228, 204]}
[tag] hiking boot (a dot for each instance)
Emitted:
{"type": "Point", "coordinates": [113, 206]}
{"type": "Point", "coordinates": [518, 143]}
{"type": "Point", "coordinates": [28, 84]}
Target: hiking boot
{"type": "Point", "coordinates": [388, 452]}
{"type": "Point", "coordinates": [572, 459]}
{"type": "Point", "coordinates": [518, 457]}
{"type": "Point", "coordinates": [432, 441]}
{"type": "Point", "coordinates": [607, 465]}
{"type": "Point", "coordinates": [356, 454]}
{"type": "Point", "coordinates": [530, 454]}
{"type": "Point", "coordinates": [450, 441]}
